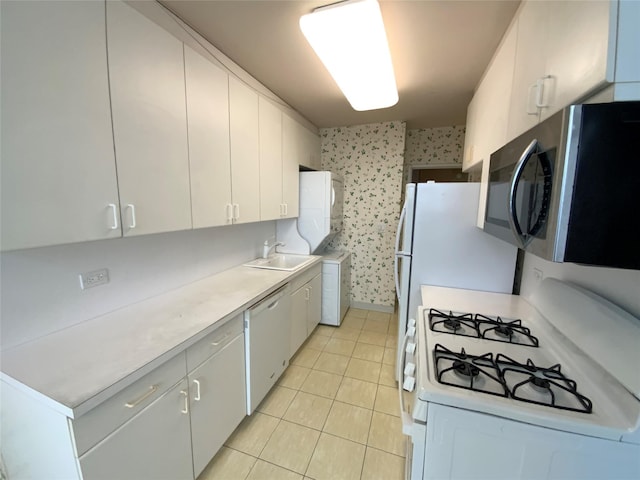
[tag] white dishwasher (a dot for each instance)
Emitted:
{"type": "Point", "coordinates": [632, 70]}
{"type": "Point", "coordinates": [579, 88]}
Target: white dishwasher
{"type": "Point", "coordinates": [266, 326]}
{"type": "Point", "coordinates": [336, 287]}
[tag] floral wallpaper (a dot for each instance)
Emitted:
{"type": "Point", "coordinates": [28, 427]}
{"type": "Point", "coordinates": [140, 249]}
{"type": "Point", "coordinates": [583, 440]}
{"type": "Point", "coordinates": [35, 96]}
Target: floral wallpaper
{"type": "Point", "coordinates": [370, 160]}
{"type": "Point", "coordinates": [431, 146]}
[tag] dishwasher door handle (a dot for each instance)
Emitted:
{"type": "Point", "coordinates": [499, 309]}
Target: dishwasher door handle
{"type": "Point", "coordinates": [273, 305]}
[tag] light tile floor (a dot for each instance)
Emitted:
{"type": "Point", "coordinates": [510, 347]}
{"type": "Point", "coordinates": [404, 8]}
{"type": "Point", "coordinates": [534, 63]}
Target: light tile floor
{"type": "Point", "coordinates": [333, 414]}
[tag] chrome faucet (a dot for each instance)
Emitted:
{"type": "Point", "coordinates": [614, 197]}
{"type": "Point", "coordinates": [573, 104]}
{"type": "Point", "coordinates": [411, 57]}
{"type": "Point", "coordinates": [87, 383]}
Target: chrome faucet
{"type": "Point", "coordinates": [266, 249]}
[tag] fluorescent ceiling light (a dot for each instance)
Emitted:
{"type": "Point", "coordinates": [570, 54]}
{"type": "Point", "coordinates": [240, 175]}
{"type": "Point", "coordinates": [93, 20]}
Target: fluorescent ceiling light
{"type": "Point", "coordinates": [350, 39]}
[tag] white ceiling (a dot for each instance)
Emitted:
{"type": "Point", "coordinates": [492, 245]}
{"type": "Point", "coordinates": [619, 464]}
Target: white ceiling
{"type": "Point", "coordinates": [440, 49]}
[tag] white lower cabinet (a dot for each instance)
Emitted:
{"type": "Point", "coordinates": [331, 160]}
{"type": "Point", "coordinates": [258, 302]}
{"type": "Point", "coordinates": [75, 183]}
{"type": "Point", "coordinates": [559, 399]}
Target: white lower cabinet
{"type": "Point", "coordinates": [314, 304]}
{"type": "Point", "coordinates": [155, 444]}
{"type": "Point", "coordinates": [299, 329]}
{"type": "Point", "coordinates": [217, 395]}
{"type": "Point", "coordinates": [166, 425]}
{"type": "Point", "coordinates": [306, 307]}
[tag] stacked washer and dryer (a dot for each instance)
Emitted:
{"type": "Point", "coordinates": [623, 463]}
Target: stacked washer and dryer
{"type": "Point", "coordinates": [319, 220]}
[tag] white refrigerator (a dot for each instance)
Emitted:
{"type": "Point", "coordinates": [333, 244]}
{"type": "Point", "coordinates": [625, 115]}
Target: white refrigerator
{"type": "Point", "coordinates": [438, 243]}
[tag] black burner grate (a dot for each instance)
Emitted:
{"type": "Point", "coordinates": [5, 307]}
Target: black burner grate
{"type": "Point", "coordinates": [506, 377]}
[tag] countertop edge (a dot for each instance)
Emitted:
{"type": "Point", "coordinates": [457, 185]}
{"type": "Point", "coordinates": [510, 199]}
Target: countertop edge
{"type": "Point", "coordinates": [20, 378]}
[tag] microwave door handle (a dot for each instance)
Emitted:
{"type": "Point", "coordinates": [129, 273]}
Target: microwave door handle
{"type": "Point", "coordinates": [515, 179]}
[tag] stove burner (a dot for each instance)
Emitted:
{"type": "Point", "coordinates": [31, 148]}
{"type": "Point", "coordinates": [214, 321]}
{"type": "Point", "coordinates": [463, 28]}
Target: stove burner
{"type": "Point", "coordinates": [539, 383]}
{"type": "Point", "coordinates": [504, 331]}
{"type": "Point", "coordinates": [452, 324]}
{"type": "Point", "coordinates": [465, 369]}
{"type": "Point", "coordinates": [461, 324]}
{"type": "Point", "coordinates": [472, 372]}
{"type": "Point", "coordinates": [498, 330]}
{"type": "Point", "coordinates": [549, 386]}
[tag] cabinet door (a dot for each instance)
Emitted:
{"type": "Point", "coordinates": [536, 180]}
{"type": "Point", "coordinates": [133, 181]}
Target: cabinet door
{"type": "Point", "coordinates": [291, 145]}
{"type": "Point", "coordinates": [217, 392]}
{"type": "Point", "coordinates": [245, 160]}
{"type": "Point", "coordinates": [529, 66]}
{"type": "Point", "coordinates": [271, 205]}
{"type": "Point", "coordinates": [58, 167]}
{"type": "Point", "coordinates": [299, 319]}
{"type": "Point", "coordinates": [468, 158]}
{"type": "Point", "coordinates": [155, 444]}
{"type": "Point", "coordinates": [314, 304]}
{"type": "Point", "coordinates": [209, 157]}
{"type": "Point", "coordinates": [312, 142]}
{"type": "Point", "coordinates": [146, 72]}
{"type": "Point", "coordinates": [580, 51]}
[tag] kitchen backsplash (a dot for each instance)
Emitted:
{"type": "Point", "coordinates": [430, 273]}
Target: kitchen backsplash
{"type": "Point", "coordinates": [41, 293]}
{"type": "Point", "coordinates": [433, 146]}
{"type": "Point", "coordinates": [370, 160]}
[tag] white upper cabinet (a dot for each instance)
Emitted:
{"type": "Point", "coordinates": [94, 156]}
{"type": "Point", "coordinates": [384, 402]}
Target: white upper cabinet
{"type": "Point", "coordinates": [311, 149]}
{"type": "Point", "coordinates": [488, 112]}
{"type": "Point", "coordinates": [58, 168]}
{"type": "Point", "coordinates": [146, 72]}
{"type": "Point", "coordinates": [245, 152]}
{"type": "Point", "coordinates": [580, 53]}
{"type": "Point", "coordinates": [271, 204]}
{"type": "Point", "coordinates": [292, 146]}
{"type": "Point", "coordinates": [209, 157]}
{"type": "Point", "coordinates": [565, 51]}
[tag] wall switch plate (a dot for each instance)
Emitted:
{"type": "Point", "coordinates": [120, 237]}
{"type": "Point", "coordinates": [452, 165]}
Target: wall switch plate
{"type": "Point", "coordinates": [93, 279]}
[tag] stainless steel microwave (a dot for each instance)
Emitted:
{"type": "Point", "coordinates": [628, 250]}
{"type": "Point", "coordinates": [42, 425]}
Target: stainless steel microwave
{"type": "Point", "coordinates": [568, 190]}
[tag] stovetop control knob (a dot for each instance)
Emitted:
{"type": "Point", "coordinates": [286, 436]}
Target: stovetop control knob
{"type": "Point", "coordinates": [409, 384]}
{"type": "Point", "coordinates": [410, 368]}
{"type": "Point", "coordinates": [411, 348]}
{"type": "Point", "coordinates": [411, 331]}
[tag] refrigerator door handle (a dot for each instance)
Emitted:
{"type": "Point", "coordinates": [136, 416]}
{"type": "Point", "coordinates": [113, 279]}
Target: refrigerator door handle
{"type": "Point", "coordinates": [396, 277]}
{"type": "Point", "coordinates": [403, 214]}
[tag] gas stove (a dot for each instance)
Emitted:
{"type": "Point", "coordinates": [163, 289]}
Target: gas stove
{"type": "Point", "coordinates": [546, 382]}
{"type": "Point", "coordinates": [498, 354]}
{"type": "Point", "coordinates": [498, 374]}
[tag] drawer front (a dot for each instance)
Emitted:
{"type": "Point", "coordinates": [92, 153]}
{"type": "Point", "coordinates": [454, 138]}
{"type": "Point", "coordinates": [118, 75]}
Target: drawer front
{"type": "Point", "coordinates": [96, 424]}
{"type": "Point", "coordinates": [214, 342]}
{"type": "Point", "coordinates": [305, 277]}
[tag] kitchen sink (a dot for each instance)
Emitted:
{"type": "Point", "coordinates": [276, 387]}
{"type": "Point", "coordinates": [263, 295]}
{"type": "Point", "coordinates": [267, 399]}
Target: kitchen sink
{"type": "Point", "coordinates": [281, 261]}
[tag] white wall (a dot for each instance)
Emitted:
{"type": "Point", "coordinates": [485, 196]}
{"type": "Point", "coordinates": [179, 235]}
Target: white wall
{"type": "Point", "coordinates": [621, 287]}
{"type": "Point", "coordinates": [40, 290]}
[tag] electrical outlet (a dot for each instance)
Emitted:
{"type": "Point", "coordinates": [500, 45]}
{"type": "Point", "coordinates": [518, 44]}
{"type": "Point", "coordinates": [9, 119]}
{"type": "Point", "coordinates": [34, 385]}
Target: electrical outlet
{"type": "Point", "coordinates": [537, 274]}
{"type": "Point", "coordinates": [93, 279]}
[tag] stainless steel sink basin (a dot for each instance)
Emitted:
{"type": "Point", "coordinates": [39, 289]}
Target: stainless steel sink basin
{"type": "Point", "coordinates": [281, 261]}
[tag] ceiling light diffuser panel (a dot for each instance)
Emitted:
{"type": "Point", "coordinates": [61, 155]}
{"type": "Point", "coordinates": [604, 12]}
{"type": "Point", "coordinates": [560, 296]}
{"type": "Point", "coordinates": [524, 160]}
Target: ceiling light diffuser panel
{"type": "Point", "coordinates": [350, 39]}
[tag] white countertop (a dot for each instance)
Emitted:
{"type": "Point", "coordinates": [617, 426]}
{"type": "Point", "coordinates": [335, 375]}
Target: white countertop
{"type": "Point", "coordinates": [77, 368]}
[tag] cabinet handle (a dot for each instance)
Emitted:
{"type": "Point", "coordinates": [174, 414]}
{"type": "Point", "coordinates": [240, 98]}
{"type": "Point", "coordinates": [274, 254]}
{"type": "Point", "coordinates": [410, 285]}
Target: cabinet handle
{"type": "Point", "coordinates": [138, 401]}
{"type": "Point", "coordinates": [224, 337]}
{"type": "Point", "coordinates": [307, 291]}
{"type": "Point", "coordinates": [540, 92]}
{"type": "Point", "coordinates": [197, 397]}
{"type": "Point", "coordinates": [285, 209]}
{"type": "Point", "coordinates": [273, 305]}
{"type": "Point", "coordinates": [229, 211]}
{"type": "Point", "coordinates": [185, 410]}
{"type": "Point", "coordinates": [236, 211]}
{"type": "Point", "coordinates": [114, 216]}
{"type": "Point", "coordinates": [132, 207]}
